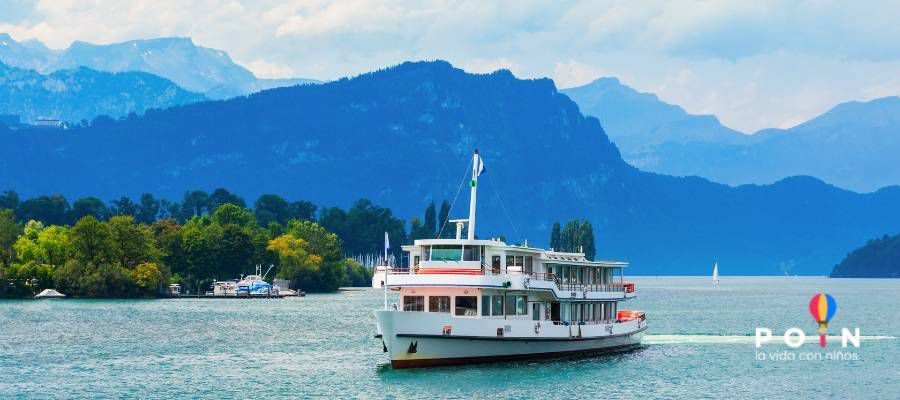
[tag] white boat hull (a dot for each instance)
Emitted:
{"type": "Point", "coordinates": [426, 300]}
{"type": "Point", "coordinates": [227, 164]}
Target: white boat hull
{"type": "Point", "coordinates": [416, 339]}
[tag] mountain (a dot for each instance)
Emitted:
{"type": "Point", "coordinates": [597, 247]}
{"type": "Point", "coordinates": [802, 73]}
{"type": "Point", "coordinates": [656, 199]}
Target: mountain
{"type": "Point", "coordinates": [30, 54]}
{"type": "Point", "coordinates": [82, 93]}
{"type": "Point", "coordinates": [879, 258]}
{"type": "Point", "coordinates": [854, 145]}
{"type": "Point", "coordinates": [404, 135]}
{"type": "Point", "coordinates": [639, 123]}
{"type": "Point", "coordinates": [199, 69]}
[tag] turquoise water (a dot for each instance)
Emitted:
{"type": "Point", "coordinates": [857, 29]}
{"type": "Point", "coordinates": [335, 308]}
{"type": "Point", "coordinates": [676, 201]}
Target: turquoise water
{"type": "Point", "coordinates": [322, 346]}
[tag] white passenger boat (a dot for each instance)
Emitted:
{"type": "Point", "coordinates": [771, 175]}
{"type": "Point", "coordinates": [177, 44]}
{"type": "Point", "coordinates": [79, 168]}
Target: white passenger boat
{"type": "Point", "coordinates": [467, 300]}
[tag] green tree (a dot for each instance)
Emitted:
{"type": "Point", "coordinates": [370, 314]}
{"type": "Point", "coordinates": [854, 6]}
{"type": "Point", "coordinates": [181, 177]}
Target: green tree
{"type": "Point", "coordinates": [54, 245]}
{"type": "Point", "coordinates": [123, 206]}
{"type": "Point", "coordinates": [9, 200]}
{"type": "Point", "coordinates": [133, 243]}
{"type": "Point", "coordinates": [51, 210]}
{"type": "Point", "coordinates": [555, 242]}
{"type": "Point", "coordinates": [443, 218]}
{"type": "Point", "coordinates": [9, 232]}
{"type": "Point", "coordinates": [303, 210]}
{"type": "Point", "coordinates": [195, 203]}
{"type": "Point", "coordinates": [148, 278]}
{"type": "Point", "coordinates": [586, 240]}
{"type": "Point", "coordinates": [269, 208]}
{"type": "Point", "coordinates": [167, 239]}
{"type": "Point", "coordinates": [148, 209]}
{"type": "Point", "coordinates": [89, 206]}
{"type": "Point", "coordinates": [222, 196]}
{"type": "Point", "coordinates": [92, 242]}
{"type": "Point", "coordinates": [233, 215]}
{"type": "Point", "coordinates": [430, 225]}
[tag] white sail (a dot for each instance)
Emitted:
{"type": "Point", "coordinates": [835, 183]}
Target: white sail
{"type": "Point", "coordinates": [716, 274]}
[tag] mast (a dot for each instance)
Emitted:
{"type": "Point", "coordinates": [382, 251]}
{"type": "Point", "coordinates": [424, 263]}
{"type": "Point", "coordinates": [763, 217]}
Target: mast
{"type": "Point", "coordinates": [476, 169]}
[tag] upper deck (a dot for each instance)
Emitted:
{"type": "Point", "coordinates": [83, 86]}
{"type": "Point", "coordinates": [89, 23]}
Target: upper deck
{"type": "Point", "coordinates": [494, 264]}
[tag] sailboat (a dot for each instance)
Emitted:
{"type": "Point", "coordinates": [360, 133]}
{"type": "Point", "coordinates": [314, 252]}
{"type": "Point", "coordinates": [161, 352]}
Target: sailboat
{"type": "Point", "coordinates": [716, 274]}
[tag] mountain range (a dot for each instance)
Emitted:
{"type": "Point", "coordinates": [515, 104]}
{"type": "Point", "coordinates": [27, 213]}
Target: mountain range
{"type": "Point", "coordinates": [403, 136]}
{"type": "Point", "coordinates": [199, 69]}
{"type": "Point", "coordinates": [855, 145]}
{"type": "Point", "coordinates": [82, 94]}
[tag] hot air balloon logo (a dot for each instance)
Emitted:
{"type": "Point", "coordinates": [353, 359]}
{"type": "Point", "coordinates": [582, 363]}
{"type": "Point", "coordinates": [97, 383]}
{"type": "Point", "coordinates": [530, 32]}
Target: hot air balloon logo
{"type": "Point", "coordinates": [822, 307]}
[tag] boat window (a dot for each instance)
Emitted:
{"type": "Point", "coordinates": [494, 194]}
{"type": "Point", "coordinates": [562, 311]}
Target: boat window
{"type": "Point", "coordinates": [439, 304]}
{"type": "Point", "coordinates": [486, 306]}
{"type": "Point", "coordinates": [446, 253]}
{"type": "Point", "coordinates": [467, 306]}
{"type": "Point", "coordinates": [426, 253]}
{"type": "Point", "coordinates": [413, 303]}
{"type": "Point", "coordinates": [514, 261]}
{"type": "Point", "coordinates": [497, 305]}
{"type": "Point", "coordinates": [516, 305]}
{"type": "Point", "coordinates": [471, 253]}
{"type": "Point", "coordinates": [529, 268]}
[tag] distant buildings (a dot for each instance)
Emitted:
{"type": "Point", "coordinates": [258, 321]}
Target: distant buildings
{"type": "Point", "coordinates": [14, 122]}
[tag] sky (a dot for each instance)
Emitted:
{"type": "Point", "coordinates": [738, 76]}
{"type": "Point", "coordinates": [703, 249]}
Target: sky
{"type": "Point", "coordinates": [754, 64]}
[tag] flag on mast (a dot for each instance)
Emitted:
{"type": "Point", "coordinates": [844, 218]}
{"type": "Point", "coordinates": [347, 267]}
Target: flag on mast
{"type": "Point", "coordinates": [479, 169]}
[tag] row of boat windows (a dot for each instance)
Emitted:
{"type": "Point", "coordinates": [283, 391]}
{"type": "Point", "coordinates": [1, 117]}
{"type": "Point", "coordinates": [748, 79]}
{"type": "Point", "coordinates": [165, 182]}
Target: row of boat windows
{"type": "Point", "coordinates": [581, 275]}
{"type": "Point", "coordinates": [509, 305]}
{"type": "Point", "coordinates": [468, 305]}
{"type": "Point", "coordinates": [451, 253]}
{"type": "Point", "coordinates": [603, 311]}
{"type": "Point", "coordinates": [463, 305]}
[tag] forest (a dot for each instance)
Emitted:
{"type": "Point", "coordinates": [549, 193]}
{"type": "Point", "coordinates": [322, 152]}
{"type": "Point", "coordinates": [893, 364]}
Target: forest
{"type": "Point", "coordinates": [137, 248]}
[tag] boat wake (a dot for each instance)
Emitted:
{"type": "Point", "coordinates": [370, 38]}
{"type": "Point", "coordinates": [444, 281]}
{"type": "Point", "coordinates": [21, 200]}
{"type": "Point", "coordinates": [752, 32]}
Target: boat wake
{"type": "Point", "coordinates": [732, 339]}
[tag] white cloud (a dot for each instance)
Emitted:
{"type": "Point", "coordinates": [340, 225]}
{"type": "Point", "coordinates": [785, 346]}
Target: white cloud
{"type": "Point", "coordinates": [264, 69]}
{"type": "Point", "coordinates": [753, 64]}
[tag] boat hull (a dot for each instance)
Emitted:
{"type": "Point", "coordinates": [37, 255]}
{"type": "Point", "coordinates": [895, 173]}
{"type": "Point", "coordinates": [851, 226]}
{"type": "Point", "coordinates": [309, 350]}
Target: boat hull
{"type": "Point", "coordinates": [411, 349]}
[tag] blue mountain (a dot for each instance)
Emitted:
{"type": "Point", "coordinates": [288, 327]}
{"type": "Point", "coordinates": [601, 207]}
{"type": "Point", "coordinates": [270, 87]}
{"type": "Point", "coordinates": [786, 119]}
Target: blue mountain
{"type": "Point", "coordinates": [198, 69]}
{"type": "Point", "coordinates": [404, 135]}
{"type": "Point", "coordinates": [854, 145]}
{"type": "Point", "coordinates": [82, 94]}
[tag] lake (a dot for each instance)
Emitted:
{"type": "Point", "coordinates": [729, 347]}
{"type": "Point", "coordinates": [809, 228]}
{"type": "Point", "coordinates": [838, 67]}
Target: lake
{"type": "Point", "coordinates": [699, 345]}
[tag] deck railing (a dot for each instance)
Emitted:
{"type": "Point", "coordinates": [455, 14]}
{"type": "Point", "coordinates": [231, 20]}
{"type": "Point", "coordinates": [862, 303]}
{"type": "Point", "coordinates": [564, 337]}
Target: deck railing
{"type": "Point", "coordinates": [626, 287]}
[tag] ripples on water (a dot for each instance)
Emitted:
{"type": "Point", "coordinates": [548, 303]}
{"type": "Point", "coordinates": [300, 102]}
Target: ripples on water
{"type": "Point", "coordinates": [698, 346]}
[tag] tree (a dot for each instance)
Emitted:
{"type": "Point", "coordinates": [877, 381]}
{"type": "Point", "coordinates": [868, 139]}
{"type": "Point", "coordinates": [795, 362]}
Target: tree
{"type": "Point", "coordinates": [169, 209]}
{"type": "Point", "coordinates": [319, 240]}
{"type": "Point", "coordinates": [430, 226]}
{"type": "Point", "coordinates": [303, 210]}
{"type": "Point", "coordinates": [443, 217]}
{"type": "Point", "coordinates": [148, 210]}
{"type": "Point", "coordinates": [132, 242]}
{"type": "Point", "coordinates": [364, 228]}
{"type": "Point", "coordinates": [9, 231]}
{"type": "Point", "coordinates": [92, 241]}
{"type": "Point", "coordinates": [51, 210]}
{"type": "Point", "coordinates": [53, 242]}
{"type": "Point", "coordinates": [195, 203]}
{"type": "Point", "coordinates": [222, 196]}
{"type": "Point", "coordinates": [123, 206]}
{"type": "Point", "coordinates": [88, 206]}
{"type": "Point", "coordinates": [148, 278]}
{"type": "Point", "coordinates": [167, 239]}
{"type": "Point", "coordinates": [200, 240]}
{"type": "Point", "coordinates": [586, 240]}
{"type": "Point", "coordinates": [234, 215]}
{"type": "Point", "coordinates": [555, 238]}
{"type": "Point", "coordinates": [270, 207]}
{"type": "Point", "coordinates": [296, 264]}
{"type": "Point", "coordinates": [9, 199]}
{"type": "Point", "coordinates": [416, 230]}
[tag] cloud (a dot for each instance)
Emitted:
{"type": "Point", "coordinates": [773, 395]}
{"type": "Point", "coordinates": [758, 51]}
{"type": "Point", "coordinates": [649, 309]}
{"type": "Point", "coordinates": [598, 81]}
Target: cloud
{"type": "Point", "coordinates": [753, 64]}
{"type": "Point", "coordinates": [265, 69]}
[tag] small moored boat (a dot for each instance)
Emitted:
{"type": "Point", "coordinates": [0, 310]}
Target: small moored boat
{"type": "Point", "coordinates": [49, 294]}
